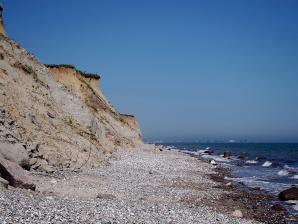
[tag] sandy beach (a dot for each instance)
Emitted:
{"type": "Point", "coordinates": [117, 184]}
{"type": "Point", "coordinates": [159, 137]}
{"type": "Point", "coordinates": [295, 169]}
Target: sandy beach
{"type": "Point", "coordinates": [138, 186]}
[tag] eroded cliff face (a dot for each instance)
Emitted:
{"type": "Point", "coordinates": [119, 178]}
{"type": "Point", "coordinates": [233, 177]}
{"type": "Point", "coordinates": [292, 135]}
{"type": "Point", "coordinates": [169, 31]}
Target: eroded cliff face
{"type": "Point", "coordinates": [122, 130]}
{"type": "Point", "coordinates": [60, 116]}
{"type": "Point", "coordinates": [2, 30]}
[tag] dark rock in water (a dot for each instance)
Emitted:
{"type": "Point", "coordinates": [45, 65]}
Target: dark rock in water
{"type": "Point", "coordinates": [289, 194]}
{"type": "Point", "coordinates": [209, 152]}
{"type": "Point", "coordinates": [241, 157]}
{"type": "Point", "coordinates": [15, 175]}
{"type": "Point", "coordinates": [260, 158]}
{"type": "Point", "coordinates": [227, 154]}
{"type": "Point", "coordinates": [278, 208]}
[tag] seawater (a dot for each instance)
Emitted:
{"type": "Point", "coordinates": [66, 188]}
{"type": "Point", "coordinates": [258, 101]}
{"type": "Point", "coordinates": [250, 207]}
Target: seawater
{"type": "Point", "coordinates": [272, 167]}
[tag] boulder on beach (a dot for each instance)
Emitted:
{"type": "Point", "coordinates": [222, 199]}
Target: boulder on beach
{"type": "Point", "coordinates": [15, 153]}
{"type": "Point", "coordinates": [278, 208]}
{"type": "Point", "coordinates": [289, 194]}
{"type": "Point", "coordinates": [15, 175]}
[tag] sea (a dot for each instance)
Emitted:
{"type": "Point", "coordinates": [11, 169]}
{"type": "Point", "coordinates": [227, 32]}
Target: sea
{"type": "Point", "coordinates": [271, 167]}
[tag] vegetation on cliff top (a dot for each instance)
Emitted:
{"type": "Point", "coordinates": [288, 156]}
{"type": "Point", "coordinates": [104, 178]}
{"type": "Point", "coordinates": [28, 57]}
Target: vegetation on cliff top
{"type": "Point", "coordinates": [83, 73]}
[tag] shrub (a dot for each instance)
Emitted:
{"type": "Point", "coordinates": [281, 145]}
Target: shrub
{"type": "Point", "coordinates": [83, 73]}
{"type": "Point", "coordinates": [28, 69]}
{"type": "Point", "coordinates": [60, 66]}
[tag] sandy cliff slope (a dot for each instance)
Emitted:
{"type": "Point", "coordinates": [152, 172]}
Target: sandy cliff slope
{"type": "Point", "coordinates": [59, 115]}
{"type": "Point", "coordinates": [2, 30]}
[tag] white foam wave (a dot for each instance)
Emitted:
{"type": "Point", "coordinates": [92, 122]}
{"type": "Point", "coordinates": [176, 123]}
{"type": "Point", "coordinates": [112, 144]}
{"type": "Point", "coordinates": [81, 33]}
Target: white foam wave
{"type": "Point", "coordinates": [202, 151]}
{"type": "Point", "coordinates": [291, 169]}
{"type": "Point", "coordinates": [251, 161]}
{"type": "Point", "coordinates": [216, 158]}
{"type": "Point", "coordinates": [267, 164]}
{"type": "Point", "coordinates": [294, 203]}
{"type": "Point", "coordinates": [283, 173]}
{"type": "Point", "coordinates": [295, 177]}
{"type": "Point", "coordinates": [275, 188]}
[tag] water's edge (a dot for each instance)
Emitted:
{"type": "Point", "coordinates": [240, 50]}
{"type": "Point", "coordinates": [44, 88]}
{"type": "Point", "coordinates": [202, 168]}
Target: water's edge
{"type": "Point", "coordinates": [250, 174]}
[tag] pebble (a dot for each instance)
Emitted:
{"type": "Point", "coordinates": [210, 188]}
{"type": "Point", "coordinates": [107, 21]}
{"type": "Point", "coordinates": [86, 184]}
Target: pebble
{"type": "Point", "coordinates": [237, 214]}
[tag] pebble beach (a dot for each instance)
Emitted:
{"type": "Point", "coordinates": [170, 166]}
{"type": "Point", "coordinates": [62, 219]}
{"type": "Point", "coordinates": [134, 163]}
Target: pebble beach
{"type": "Point", "coordinates": [138, 186]}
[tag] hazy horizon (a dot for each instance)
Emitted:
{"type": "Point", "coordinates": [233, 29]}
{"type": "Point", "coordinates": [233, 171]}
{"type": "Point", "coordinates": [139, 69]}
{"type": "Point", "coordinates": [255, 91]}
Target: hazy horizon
{"type": "Point", "coordinates": [188, 70]}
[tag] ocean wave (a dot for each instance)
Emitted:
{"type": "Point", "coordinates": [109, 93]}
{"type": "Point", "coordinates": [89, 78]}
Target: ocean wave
{"type": "Point", "coordinates": [251, 161]}
{"type": "Point", "coordinates": [267, 164]}
{"type": "Point", "coordinates": [291, 169]}
{"type": "Point", "coordinates": [216, 158]}
{"type": "Point", "coordinates": [283, 173]}
{"type": "Point", "coordinates": [254, 182]}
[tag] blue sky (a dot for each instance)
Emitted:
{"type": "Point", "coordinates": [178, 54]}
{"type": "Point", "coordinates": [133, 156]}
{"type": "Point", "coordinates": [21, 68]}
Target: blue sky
{"type": "Point", "coordinates": [189, 70]}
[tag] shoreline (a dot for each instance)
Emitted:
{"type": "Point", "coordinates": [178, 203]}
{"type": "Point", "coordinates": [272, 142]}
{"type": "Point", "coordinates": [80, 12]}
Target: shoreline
{"type": "Point", "coordinates": [151, 185]}
{"type": "Point", "coordinates": [256, 203]}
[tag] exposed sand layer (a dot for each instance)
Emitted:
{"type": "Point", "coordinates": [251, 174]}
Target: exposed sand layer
{"type": "Point", "coordinates": [143, 186]}
{"type": "Point", "coordinates": [59, 115]}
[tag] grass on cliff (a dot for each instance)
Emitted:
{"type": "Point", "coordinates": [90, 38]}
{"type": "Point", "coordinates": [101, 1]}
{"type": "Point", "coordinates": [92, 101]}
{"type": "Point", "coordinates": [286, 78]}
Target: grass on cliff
{"type": "Point", "coordinates": [83, 73]}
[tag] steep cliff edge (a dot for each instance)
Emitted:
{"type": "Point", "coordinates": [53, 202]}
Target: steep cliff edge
{"type": "Point", "coordinates": [2, 30]}
{"type": "Point", "coordinates": [58, 114]}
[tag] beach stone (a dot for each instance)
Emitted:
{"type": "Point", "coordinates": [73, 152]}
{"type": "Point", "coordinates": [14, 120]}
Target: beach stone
{"type": "Point", "coordinates": [229, 184]}
{"type": "Point", "coordinates": [278, 208]}
{"type": "Point", "coordinates": [289, 194]}
{"type": "Point", "coordinates": [51, 114]}
{"type": "Point", "coordinates": [3, 184]}
{"type": "Point", "coordinates": [106, 196]}
{"type": "Point", "coordinates": [213, 162]}
{"type": "Point", "coordinates": [237, 214]}
{"type": "Point", "coordinates": [15, 153]}
{"type": "Point", "coordinates": [15, 175]}
{"type": "Point", "coordinates": [227, 154]}
{"type": "Point", "coordinates": [32, 161]}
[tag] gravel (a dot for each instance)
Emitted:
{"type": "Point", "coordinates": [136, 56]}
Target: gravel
{"type": "Point", "coordinates": [140, 186]}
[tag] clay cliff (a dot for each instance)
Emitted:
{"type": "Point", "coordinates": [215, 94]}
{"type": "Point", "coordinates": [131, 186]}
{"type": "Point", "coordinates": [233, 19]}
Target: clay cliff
{"type": "Point", "coordinates": [2, 30]}
{"type": "Point", "coordinates": [56, 116]}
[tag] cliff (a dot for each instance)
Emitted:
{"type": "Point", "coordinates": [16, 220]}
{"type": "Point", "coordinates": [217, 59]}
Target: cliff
{"type": "Point", "coordinates": [2, 30]}
{"type": "Point", "coordinates": [58, 113]}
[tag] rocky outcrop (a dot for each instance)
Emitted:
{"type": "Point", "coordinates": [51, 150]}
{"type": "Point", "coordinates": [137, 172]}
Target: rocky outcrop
{"type": "Point", "coordinates": [15, 174]}
{"type": "Point", "coordinates": [120, 130]}
{"type": "Point", "coordinates": [15, 153]}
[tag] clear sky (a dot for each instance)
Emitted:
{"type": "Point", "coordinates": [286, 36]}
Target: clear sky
{"type": "Point", "coordinates": [189, 70]}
